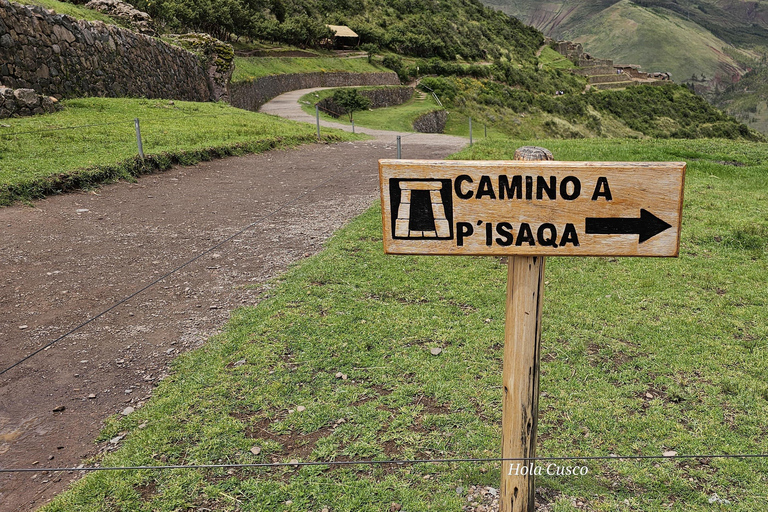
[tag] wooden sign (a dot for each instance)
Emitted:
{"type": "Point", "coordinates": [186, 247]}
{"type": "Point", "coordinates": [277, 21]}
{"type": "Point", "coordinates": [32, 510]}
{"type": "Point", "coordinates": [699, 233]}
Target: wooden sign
{"type": "Point", "coordinates": [529, 208]}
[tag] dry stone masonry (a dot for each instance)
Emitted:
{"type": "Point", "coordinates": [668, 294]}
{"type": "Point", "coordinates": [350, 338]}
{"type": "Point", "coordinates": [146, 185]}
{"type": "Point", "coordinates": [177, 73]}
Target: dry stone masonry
{"type": "Point", "coordinates": [57, 55]}
{"type": "Point", "coordinates": [431, 122]}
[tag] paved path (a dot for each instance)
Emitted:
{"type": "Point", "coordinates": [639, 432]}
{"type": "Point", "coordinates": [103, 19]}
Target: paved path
{"type": "Point", "coordinates": [69, 257]}
{"type": "Point", "coordinates": [287, 106]}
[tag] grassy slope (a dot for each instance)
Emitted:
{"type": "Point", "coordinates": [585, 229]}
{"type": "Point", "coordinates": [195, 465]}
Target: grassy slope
{"type": "Point", "coordinates": [551, 59]}
{"type": "Point", "coordinates": [76, 11]}
{"type": "Point", "coordinates": [626, 32]}
{"type": "Point", "coordinates": [629, 34]}
{"type": "Point", "coordinates": [248, 68]}
{"type": "Point", "coordinates": [748, 100]}
{"type": "Point", "coordinates": [639, 356]}
{"type": "Point", "coordinates": [45, 154]}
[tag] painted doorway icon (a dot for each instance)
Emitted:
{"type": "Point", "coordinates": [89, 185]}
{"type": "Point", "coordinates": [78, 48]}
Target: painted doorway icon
{"type": "Point", "coordinates": [424, 209]}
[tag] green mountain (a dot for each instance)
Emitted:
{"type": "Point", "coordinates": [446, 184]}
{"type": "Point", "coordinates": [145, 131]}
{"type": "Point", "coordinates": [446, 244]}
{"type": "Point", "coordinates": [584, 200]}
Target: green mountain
{"type": "Point", "coordinates": [709, 43]}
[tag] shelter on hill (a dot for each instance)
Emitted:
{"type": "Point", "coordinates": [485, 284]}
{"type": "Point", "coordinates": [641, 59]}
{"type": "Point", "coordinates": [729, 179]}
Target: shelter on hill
{"type": "Point", "coordinates": [343, 36]}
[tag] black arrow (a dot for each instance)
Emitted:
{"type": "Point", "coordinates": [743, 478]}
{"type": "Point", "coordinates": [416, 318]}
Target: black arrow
{"type": "Point", "coordinates": [647, 226]}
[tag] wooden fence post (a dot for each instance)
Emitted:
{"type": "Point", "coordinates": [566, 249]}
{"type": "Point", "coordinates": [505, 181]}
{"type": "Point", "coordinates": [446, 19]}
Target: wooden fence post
{"type": "Point", "coordinates": [520, 378]}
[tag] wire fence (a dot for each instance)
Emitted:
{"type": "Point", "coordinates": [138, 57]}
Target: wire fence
{"type": "Point", "coordinates": [298, 464]}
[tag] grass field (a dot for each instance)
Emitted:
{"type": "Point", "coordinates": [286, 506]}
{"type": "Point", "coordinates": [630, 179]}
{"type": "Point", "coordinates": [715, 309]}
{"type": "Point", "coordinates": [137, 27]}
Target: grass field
{"type": "Point", "coordinates": [93, 140]}
{"type": "Point", "coordinates": [639, 356]}
{"type": "Point", "coordinates": [248, 68]}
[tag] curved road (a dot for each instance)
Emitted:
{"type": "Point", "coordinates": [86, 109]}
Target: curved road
{"type": "Point", "coordinates": [68, 258]}
{"type": "Point", "coordinates": [287, 106]}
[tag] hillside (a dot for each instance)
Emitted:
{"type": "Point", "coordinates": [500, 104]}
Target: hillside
{"type": "Point", "coordinates": [748, 99]}
{"type": "Point", "coordinates": [719, 39]}
{"type": "Point", "coordinates": [446, 29]}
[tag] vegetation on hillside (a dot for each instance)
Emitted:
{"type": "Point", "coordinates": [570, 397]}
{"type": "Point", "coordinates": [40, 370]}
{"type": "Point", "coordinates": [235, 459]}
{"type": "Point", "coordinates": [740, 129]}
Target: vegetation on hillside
{"type": "Point", "coordinates": [668, 111]}
{"type": "Point", "coordinates": [707, 43]}
{"type": "Point", "coordinates": [425, 28]}
{"type": "Point", "coordinates": [747, 100]}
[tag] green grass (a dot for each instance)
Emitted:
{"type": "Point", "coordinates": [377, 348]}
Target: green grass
{"type": "Point", "coordinates": [549, 58]}
{"type": "Point", "coordinates": [248, 68]}
{"type": "Point", "coordinates": [76, 11]}
{"type": "Point", "coordinates": [688, 332]}
{"type": "Point", "coordinates": [399, 118]}
{"type": "Point", "coordinates": [94, 140]}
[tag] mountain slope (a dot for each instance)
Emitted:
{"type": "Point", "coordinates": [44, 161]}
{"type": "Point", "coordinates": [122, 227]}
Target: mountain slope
{"type": "Point", "coordinates": [716, 38]}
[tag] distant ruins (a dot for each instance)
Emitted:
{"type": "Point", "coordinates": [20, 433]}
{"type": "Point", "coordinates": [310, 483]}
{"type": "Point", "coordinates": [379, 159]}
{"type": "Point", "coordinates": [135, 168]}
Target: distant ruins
{"type": "Point", "coordinates": [603, 73]}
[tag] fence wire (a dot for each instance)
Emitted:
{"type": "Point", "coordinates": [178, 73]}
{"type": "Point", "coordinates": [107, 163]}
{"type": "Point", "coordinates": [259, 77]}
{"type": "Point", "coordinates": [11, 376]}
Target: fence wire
{"type": "Point", "coordinates": [297, 464]}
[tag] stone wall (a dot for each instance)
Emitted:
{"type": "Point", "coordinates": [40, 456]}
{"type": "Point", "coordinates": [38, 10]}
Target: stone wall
{"type": "Point", "coordinates": [431, 122]}
{"type": "Point", "coordinates": [57, 55]}
{"type": "Point", "coordinates": [380, 98]}
{"type": "Point", "coordinates": [253, 94]}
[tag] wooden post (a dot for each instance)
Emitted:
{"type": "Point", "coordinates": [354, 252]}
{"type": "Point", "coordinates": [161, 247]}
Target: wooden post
{"type": "Point", "coordinates": [520, 378]}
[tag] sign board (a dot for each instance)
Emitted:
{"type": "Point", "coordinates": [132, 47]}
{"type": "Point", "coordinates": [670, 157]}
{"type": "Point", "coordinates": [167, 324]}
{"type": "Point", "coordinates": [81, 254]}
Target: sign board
{"type": "Point", "coordinates": [541, 208]}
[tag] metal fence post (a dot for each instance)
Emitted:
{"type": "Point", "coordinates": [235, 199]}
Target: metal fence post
{"type": "Point", "coordinates": [470, 131]}
{"type": "Point", "coordinates": [138, 137]}
{"type": "Point", "coordinates": [317, 118]}
{"type": "Point", "coordinates": [353, 126]}
{"type": "Point", "coordinates": [399, 149]}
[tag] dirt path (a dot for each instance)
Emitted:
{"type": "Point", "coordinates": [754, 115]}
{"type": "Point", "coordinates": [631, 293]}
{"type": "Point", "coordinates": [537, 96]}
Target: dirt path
{"type": "Point", "coordinates": [70, 257]}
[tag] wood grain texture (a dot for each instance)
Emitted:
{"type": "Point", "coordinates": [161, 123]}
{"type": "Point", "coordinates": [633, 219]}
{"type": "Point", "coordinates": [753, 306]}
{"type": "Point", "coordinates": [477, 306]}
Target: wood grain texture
{"type": "Point", "coordinates": [531, 205]}
{"type": "Point", "coordinates": [520, 380]}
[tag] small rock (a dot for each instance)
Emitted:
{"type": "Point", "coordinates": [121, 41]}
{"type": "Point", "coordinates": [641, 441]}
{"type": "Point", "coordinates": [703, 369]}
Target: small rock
{"type": "Point", "coordinates": [22, 327]}
{"type": "Point", "coordinates": [395, 507]}
{"type": "Point", "coordinates": [51, 457]}
{"type": "Point", "coordinates": [325, 509]}
{"type": "Point", "coordinates": [59, 408]}
{"type": "Point", "coordinates": [91, 396]}
{"type": "Point", "coordinates": [83, 210]}
{"type": "Point", "coordinates": [143, 426]}
{"type": "Point", "coordinates": [435, 351]}
{"type": "Point", "coordinates": [459, 491]}
{"type": "Point", "coordinates": [289, 502]}
{"type": "Point", "coordinates": [128, 410]}
{"type": "Point", "coordinates": [116, 439]}
{"type": "Point", "coordinates": [239, 363]}
{"type": "Point", "coordinates": [295, 462]}
{"type": "Point", "coordinates": [648, 395]}
{"type": "Point", "coordinates": [669, 453]}
{"type": "Point", "coordinates": [301, 408]}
